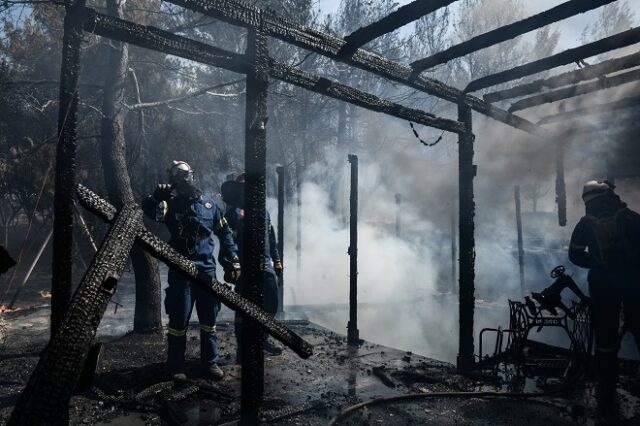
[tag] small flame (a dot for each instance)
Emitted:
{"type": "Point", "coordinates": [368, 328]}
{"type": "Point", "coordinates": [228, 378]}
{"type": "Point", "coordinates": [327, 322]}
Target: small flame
{"type": "Point", "coordinates": [45, 294]}
{"type": "Point", "coordinates": [5, 309]}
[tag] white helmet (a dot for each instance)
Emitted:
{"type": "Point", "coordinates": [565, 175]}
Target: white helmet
{"type": "Point", "coordinates": [180, 171]}
{"type": "Point", "coordinates": [594, 189]}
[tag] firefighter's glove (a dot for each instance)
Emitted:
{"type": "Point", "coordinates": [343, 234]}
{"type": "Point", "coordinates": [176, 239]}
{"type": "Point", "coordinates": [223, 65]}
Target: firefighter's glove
{"type": "Point", "coordinates": [232, 273]}
{"type": "Point", "coordinates": [277, 265]}
{"type": "Point", "coordinates": [162, 192]}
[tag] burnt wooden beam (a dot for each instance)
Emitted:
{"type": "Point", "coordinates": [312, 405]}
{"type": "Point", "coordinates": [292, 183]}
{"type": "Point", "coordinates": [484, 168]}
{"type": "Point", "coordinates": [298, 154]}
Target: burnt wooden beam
{"type": "Point", "coordinates": [243, 14]}
{"type": "Point", "coordinates": [402, 16]}
{"type": "Point", "coordinates": [508, 32]}
{"type": "Point", "coordinates": [589, 72]}
{"type": "Point", "coordinates": [466, 224]}
{"type": "Point", "coordinates": [357, 97]}
{"type": "Point", "coordinates": [45, 399]}
{"type": "Point", "coordinates": [577, 90]}
{"type": "Point", "coordinates": [606, 108]}
{"type": "Point", "coordinates": [255, 226]}
{"type": "Point", "coordinates": [62, 268]}
{"type": "Point", "coordinates": [623, 39]}
{"type": "Point", "coordinates": [163, 252]}
{"type": "Point", "coordinates": [163, 41]}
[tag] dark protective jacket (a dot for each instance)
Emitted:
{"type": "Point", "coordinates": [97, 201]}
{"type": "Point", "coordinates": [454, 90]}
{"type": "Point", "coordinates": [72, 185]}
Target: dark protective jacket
{"type": "Point", "coordinates": [235, 219]}
{"type": "Point", "coordinates": [607, 242]}
{"type": "Point", "coordinates": [192, 223]}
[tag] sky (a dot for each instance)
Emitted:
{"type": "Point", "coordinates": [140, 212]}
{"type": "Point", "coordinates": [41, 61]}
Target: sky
{"type": "Point", "coordinates": [571, 28]}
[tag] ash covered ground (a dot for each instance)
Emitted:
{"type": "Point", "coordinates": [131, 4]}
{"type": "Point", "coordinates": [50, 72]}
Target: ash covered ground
{"type": "Point", "coordinates": [131, 387]}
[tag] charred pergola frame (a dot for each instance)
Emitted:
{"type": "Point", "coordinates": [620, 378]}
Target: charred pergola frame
{"type": "Point", "coordinates": [259, 67]}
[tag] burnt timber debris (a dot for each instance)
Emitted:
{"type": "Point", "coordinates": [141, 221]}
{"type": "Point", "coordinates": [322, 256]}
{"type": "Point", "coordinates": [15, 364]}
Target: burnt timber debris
{"type": "Point", "coordinates": [577, 90]}
{"type": "Point", "coordinates": [508, 32]}
{"type": "Point", "coordinates": [589, 72]}
{"type": "Point", "coordinates": [258, 67]}
{"type": "Point", "coordinates": [164, 253]}
{"type": "Point", "coordinates": [400, 17]}
{"type": "Point", "coordinates": [616, 41]}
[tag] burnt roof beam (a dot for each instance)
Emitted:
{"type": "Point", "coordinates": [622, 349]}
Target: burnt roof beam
{"type": "Point", "coordinates": [606, 108]}
{"type": "Point", "coordinates": [623, 39]}
{"type": "Point", "coordinates": [577, 90]}
{"type": "Point", "coordinates": [245, 15]}
{"type": "Point", "coordinates": [508, 32]}
{"type": "Point", "coordinates": [572, 77]}
{"type": "Point", "coordinates": [163, 41]}
{"type": "Point", "coordinates": [399, 18]}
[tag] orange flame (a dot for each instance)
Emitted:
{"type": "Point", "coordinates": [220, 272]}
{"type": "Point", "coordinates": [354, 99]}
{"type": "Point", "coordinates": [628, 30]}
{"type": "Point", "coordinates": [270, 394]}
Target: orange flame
{"type": "Point", "coordinates": [5, 309]}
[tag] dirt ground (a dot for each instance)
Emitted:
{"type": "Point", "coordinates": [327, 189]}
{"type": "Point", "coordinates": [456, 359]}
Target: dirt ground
{"type": "Point", "coordinates": [131, 387]}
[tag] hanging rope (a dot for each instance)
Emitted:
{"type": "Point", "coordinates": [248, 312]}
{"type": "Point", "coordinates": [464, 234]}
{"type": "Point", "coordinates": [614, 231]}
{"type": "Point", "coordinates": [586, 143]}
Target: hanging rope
{"type": "Point", "coordinates": [422, 141]}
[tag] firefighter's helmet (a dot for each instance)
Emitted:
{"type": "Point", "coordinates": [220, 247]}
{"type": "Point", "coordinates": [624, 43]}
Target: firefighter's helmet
{"type": "Point", "coordinates": [594, 189]}
{"type": "Point", "coordinates": [180, 171]}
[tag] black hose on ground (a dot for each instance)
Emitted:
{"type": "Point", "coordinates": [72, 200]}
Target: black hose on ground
{"type": "Point", "coordinates": [348, 410]}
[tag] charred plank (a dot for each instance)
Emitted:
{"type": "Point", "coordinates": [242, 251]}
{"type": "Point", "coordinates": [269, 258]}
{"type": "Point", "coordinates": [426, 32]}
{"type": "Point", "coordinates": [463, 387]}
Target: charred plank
{"type": "Point", "coordinates": [402, 16]}
{"type": "Point", "coordinates": [163, 252]}
{"type": "Point", "coordinates": [617, 41]}
{"type": "Point", "coordinates": [508, 32]}
{"type": "Point", "coordinates": [577, 90]}
{"type": "Point", "coordinates": [45, 399]}
{"type": "Point", "coordinates": [357, 97]}
{"type": "Point", "coordinates": [163, 41]}
{"type": "Point", "coordinates": [242, 14]}
{"type": "Point", "coordinates": [589, 72]}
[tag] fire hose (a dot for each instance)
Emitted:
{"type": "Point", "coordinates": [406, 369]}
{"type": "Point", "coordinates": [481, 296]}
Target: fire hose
{"type": "Point", "coordinates": [377, 401]}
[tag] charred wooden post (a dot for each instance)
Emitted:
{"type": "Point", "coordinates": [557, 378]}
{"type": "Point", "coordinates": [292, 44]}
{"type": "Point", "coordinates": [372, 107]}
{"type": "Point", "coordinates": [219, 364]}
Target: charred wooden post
{"type": "Point", "coordinates": [353, 334]}
{"type": "Point", "coordinates": [233, 300]}
{"type": "Point", "coordinates": [45, 399]}
{"type": "Point", "coordinates": [467, 171]}
{"type": "Point", "coordinates": [516, 194]}
{"type": "Point", "coordinates": [454, 249]}
{"type": "Point", "coordinates": [281, 194]}
{"type": "Point", "coordinates": [508, 32]}
{"type": "Point", "coordinates": [561, 190]}
{"type": "Point", "coordinates": [577, 90]}
{"type": "Point", "coordinates": [65, 164]}
{"type": "Point", "coordinates": [298, 221]}
{"type": "Point", "coordinates": [402, 16]}
{"type": "Point", "coordinates": [589, 72]}
{"type": "Point", "coordinates": [398, 213]}
{"type": "Point", "coordinates": [617, 41]}
{"type": "Point", "coordinates": [598, 109]}
{"type": "Point", "coordinates": [254, 236]}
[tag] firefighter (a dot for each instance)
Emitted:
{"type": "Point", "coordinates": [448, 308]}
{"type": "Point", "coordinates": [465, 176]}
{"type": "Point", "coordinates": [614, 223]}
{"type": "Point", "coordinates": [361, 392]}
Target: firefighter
{"type": "Point", "coordinates": [192, 219]}
{"type": "Point", "coordinates": [607, 242]}
{"type": "Point", "coordinates": [233, 196]}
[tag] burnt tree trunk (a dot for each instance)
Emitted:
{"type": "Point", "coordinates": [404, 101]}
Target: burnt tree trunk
{"type": "Point", "coordinates": [145, 267]}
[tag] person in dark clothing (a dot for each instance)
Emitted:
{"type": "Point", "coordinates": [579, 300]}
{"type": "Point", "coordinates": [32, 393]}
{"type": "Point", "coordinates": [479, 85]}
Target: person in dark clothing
{"type": "Point", "coordinates": [192, 219]}
{"type": "Point", "coordinates": [233, 195]}
{"type": "Point", "coordinates": [607, 242]}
